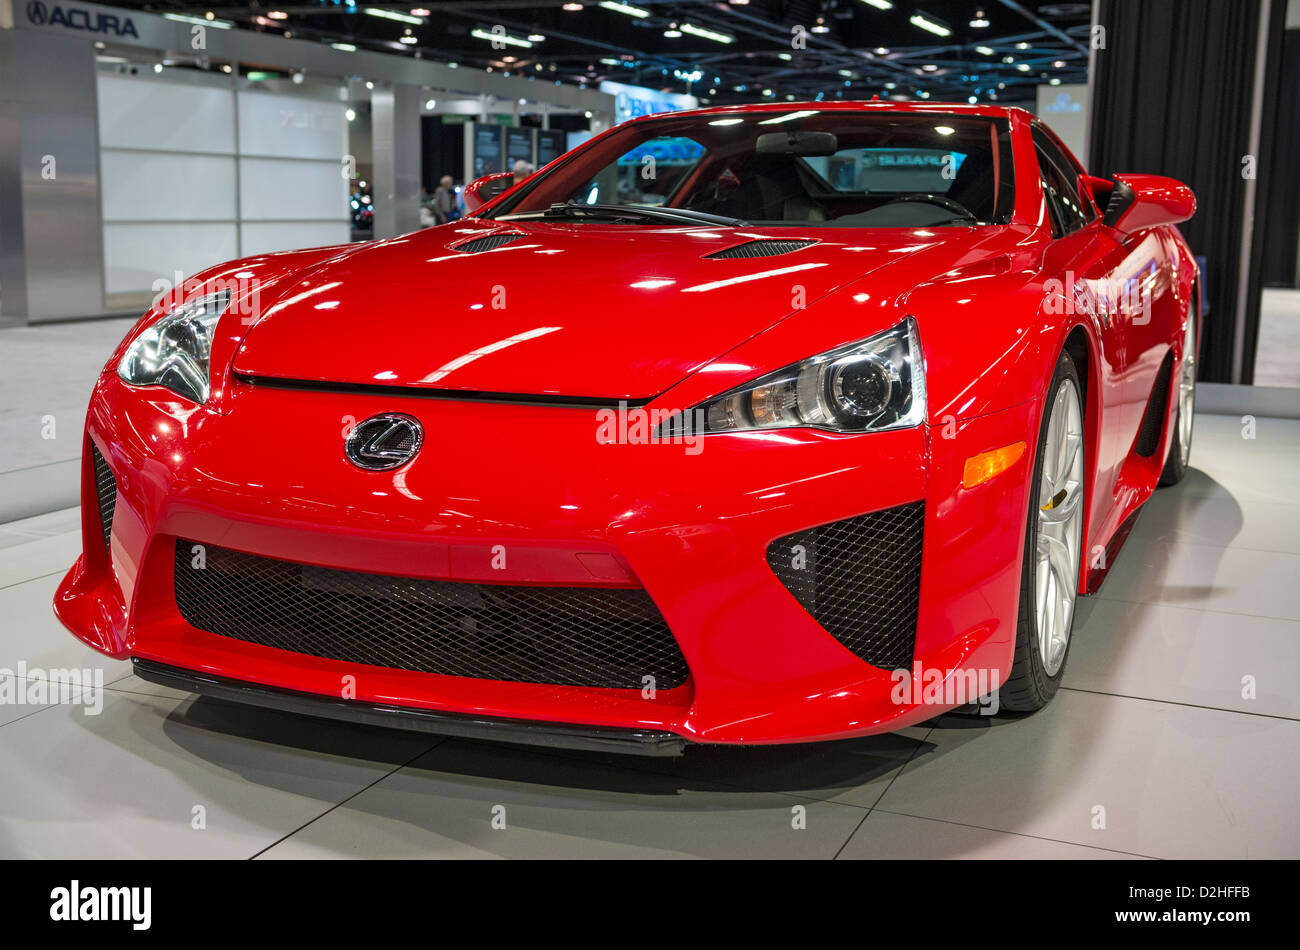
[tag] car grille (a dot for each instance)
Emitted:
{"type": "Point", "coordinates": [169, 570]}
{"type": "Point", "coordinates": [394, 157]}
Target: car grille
{"type": "Point", "coordinates": [574, 636]}
{"type": "Point", "coordinates": [491, 242]}
{"type": "Point", "coordinates": [860, 579]}
{"type": "Point", "coordinates": [105, 492]}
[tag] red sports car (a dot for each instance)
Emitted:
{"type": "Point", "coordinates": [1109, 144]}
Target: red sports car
{"type": "Point", "coordinates": [754, 424]}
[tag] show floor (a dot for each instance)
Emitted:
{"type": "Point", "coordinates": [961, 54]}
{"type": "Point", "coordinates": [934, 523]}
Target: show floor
{"type": "Point", "coordinates": [1150, 750]}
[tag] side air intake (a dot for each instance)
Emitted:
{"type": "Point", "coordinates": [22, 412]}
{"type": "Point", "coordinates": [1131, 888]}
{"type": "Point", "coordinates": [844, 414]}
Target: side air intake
{"type": "Point", "coordinates": [860, 578]}
{"type": "Point", "coordinates": [105, 492]}
{"type": "Point", "coordinates": [489, 243]}
{"type": "Point", "coordinates": [762, 248]}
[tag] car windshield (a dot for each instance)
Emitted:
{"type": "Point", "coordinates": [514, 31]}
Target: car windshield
{"type": "Point", "coordinates": [831, 168]}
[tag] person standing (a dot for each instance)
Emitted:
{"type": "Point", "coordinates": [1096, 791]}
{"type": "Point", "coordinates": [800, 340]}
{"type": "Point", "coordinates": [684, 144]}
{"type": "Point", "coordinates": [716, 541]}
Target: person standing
{"type": "Point", "coordinates": [444, 201]}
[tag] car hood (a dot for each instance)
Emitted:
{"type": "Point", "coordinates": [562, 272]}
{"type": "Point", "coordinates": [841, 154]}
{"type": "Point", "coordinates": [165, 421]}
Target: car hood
{"type": "Point", "coordinates": [566, 310]}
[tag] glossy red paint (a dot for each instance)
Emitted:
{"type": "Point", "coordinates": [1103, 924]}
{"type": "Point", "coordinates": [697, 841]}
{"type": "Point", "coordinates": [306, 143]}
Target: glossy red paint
{"type": "Point", "coordinates": [600, 312]}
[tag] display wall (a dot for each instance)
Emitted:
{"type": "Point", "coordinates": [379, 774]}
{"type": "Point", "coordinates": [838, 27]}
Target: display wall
{"type": "Point", "coordinates": [194, 173]}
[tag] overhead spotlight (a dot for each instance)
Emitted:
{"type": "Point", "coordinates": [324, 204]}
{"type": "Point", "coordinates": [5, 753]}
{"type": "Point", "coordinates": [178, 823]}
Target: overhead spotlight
{"type": "Point", "coordinates": [226, 67]}
{"type": "Point", "coordinates": [350, 115]}
{"type": "Point", "coordinates": [820, 26]}
{"type": "Point", "coordinates": [536, 38]}
{"type": "Point", "coordinates": [925, 22]}
{"type": "Point", "coordinates": [419, 11]}
{"type": "Point", "coordinates": [370, 85]}
{"type": "Point", "coordinates": [672, 32]}
{"type": "Point", "coordinates": [277, 15]}
{"type": "Point", "coordinates": [973, 100]}
{"type": "Point", "coordinates": [879, 4]}
{"type": "Point", "coordinates": [505, 38]}
{"type": "Point", "coordinates": [572, 7]}
{"type": "Point", "coordinates": [1059, 64]}
{"type": "Point", "coordinates": [707, 34]}
{"type": "Point", "coordinates": [985, 50]}
{"type": "Point", "coordinates": [407, 40]}
{"type": "Point", "coordinates": [981, 21]}
{"type": "Point", "coordinates": [626, 8]}
{"type": "Point", "coordinates": [345, 47]}
{"type": "Point", "coordinates": [587, 113]}
{"type": "Point", "coordinates": [1022, 45]}
{"type": "Point", "coordinates": [930, 68]}
{"type": "Point", "coordinates": [209, 20]}
{"type": "Point", "coordinates": [1054, 81]}
{"type": "Point", "coordinates": [157, 67]}
{"type": "Point", "coordinates": [297, 78]}
{"type": "Point", "coordinates": [430, 104]}
{"type": "Point", "coordinates": [1023, 67]}
{"type": "Point", "coordinates": [393, 15]}
{"type": "Point", "coordinates": [881, 51]}
{"type": "Point", "coordinates": [1008, 60]}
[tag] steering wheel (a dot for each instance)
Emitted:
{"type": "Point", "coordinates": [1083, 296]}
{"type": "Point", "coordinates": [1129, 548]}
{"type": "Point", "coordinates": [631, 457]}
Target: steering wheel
{"type": "Point", "coordinates": [925, 197]}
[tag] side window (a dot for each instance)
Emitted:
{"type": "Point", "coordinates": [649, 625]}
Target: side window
{"type": "Point", "coordinates": [1067, 207]}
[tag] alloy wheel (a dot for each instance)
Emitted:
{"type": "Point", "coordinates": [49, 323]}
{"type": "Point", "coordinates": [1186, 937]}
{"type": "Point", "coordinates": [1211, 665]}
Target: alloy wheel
{"type": "Point", "coordinates": [1060, 527]}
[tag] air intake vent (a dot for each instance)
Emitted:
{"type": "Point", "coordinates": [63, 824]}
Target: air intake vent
{"type": "Point", "coordinates": [573, 636]}
{"type": "Point", "coordinates": [491, 242]}
{"type": "Point", "coordinates": [105, 492]}
{"type": "Point", "coordinates": [759, 249]}
{"type": "Point", "coordinates": [860, 579]}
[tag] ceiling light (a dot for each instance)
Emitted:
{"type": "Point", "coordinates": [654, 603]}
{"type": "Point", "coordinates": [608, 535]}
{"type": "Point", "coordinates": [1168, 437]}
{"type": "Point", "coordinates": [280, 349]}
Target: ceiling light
{"type": "Point", "coordinates": [984, 50]}
{"type": "Point", "coordinates": [820, 26]}
{"type": "Point", "coordinates": [930, 68]}
{"type": "Point", "coordinates": [1023, 67]}
{"type": "Point", "coordinates": [572, 7]}
{"type": "Point", "coordinates": [157, 67]}
{"type": "Point", "coordinates": [707, 34]}
{"type": "Point", "coordinates": [784, 57]}
{"type": "Point", "coordinates": [536, 38]}
{"type": "Point", "coordinates": [981, 21]}
{"type": "Point", "coordinates": [879, 4]}
{"type": "Point", "coordinates": [407, 40]}
{"type": "Point", "coordinates": [882, 51]}
{"type": "Point", "coordinates": [1022, 45]}
{"type": "Point", "coordinates": [625, 8]}
{"type": "Point", "coordinates": [921, 21]}
{"type": "Point", "coordinates": [419, 11]}
{"type": "Point", "coordinates": [278, 15]}
{"type": "Point", "coordinates": [209, 21]}
{"type": "Point", "coordinates": [944, 129]}
{"type": "Point", "coordinates": [672, 32]}
{"type": "Point", "coordinates": [345, 47]}
{"type": "Point", "coordinates": [846, 73]}
{"type": "Point", "coordinates": [394, 15]}
{"type": "Point", "coordinates": [1059, 64]}
{"type": "Point", "coordinates": [505, 38]}
{"type": "Point", "coordinates": [350, 115]}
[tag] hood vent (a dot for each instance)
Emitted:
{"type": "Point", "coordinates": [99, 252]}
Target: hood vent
{"type": "Point", "coordinates": [761, 248]}
{"type": "Point", "coordinates": [488, 243]}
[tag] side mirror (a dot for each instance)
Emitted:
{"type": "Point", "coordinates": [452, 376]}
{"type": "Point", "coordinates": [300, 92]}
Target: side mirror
{"type": "Point", "coordinates": [482, 190]}
{"type": "Point", "coordinates": [1135, 202]}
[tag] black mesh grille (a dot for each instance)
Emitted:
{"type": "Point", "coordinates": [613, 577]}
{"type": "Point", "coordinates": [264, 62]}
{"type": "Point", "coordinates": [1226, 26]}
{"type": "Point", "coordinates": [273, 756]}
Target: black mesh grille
{"type": "Point", "coordinates": [575, 636]}
{"type": "Point", "coordinates": [760, 249]}
{"type": "Point", "coordinates": [860, 579]}
{"type": "Point", "coordinates": [478, 245]}
{"type": "Point", "coordinates": [105, 492]}
{"type": "Point", "coordinates": [1153, 420]}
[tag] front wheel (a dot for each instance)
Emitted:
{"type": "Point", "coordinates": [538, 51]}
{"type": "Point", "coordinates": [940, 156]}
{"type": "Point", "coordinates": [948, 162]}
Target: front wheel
{"type": "Point", "coordinates": [1049, 577]}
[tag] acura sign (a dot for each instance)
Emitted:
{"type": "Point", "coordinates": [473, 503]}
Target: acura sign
{"type": "Point", "coordinates": [79, 18]}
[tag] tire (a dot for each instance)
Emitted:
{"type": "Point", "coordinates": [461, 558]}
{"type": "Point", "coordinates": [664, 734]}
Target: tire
{"type": "Point", "coordinates": [1039, 661]}
{"type": "Point", "coordinates": [1180, 443]}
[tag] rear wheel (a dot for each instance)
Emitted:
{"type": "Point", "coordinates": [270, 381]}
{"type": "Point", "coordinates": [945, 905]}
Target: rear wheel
{"type": "Point", "coordinates": [1180, 444]}
{"type": "Point", "coordinates": [1049, 578]}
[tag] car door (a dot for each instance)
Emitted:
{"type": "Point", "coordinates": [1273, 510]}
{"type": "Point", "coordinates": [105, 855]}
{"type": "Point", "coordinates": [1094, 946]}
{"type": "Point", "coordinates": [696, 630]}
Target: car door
{"type": "Point", "coordinates": [1084, 256]}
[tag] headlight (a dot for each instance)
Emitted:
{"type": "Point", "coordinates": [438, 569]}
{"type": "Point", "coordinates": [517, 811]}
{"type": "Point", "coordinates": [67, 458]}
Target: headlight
{"type": "Point", "coordinates": [875, 384]}
{"type": "Point", "coordinates": [176, 349]}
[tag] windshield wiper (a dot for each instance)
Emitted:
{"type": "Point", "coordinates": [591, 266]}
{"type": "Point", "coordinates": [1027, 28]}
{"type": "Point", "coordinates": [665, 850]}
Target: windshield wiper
{"type": "Point", "coordinates": [575, 209]}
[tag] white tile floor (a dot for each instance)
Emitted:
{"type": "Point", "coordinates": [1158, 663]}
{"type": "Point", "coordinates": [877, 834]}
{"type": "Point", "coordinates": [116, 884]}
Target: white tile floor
{"type": "Point", "coordinates": [1150, 749]}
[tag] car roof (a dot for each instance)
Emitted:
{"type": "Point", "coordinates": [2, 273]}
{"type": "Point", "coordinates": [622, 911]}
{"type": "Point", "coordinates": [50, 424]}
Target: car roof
{"type": "Point", "coordinates": [918, 108]}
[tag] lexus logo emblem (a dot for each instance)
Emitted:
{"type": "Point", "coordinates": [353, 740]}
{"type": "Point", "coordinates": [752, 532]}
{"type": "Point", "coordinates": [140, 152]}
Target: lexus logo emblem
{"type": "Point", "coordinates": [36, 12]}
{"type": "Point", "coordinates": [383, 443]}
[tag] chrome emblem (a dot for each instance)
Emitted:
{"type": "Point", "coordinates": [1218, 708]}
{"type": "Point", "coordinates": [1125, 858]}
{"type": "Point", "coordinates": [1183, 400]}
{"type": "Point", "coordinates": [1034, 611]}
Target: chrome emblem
{"type": "Point", "coordinates": [383, 443]}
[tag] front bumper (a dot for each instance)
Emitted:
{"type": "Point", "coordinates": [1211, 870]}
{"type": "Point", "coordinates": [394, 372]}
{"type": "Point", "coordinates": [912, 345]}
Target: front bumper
{"type": "Point", "coordinates": [267, 476]}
